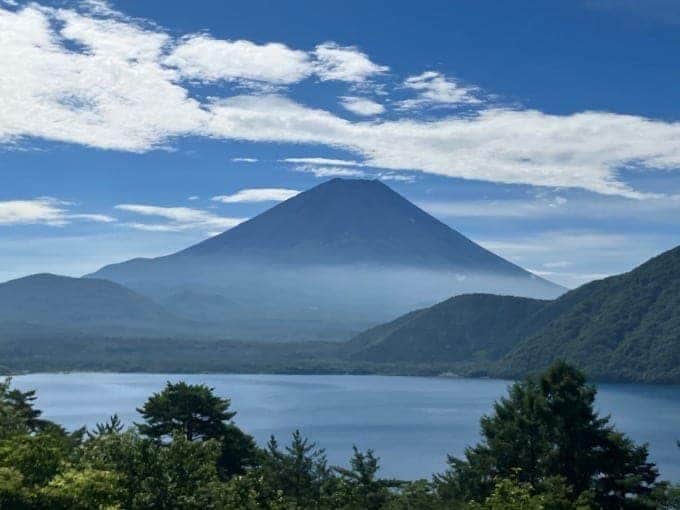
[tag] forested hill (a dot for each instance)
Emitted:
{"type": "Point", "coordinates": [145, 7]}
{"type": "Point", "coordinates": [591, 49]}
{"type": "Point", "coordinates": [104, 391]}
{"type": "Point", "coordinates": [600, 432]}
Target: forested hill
{"type": "Point", "coordinates": [49, 302]}
{"type": "Point", "coordinates": [622, 328]}
{"type": "Point", "coordinates": [479, 327]}
{"type": "Point", "coordinates": [625, 327]}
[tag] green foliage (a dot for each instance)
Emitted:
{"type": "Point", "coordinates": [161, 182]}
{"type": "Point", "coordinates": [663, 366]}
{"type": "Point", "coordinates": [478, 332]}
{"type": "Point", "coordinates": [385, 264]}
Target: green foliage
{"type": "Point", "coordinates": [83, 489]}
{"type": "Point", "coordinates": [547, 427]}
{"type": "Point", "coordinates": [17, 413]}
{"type": "Point", "coordinates": [238, 452]}
{"type": "Point", "coordinates": [417, 495]}
{"type": "Point", "coordinates": [544, 448]}
{"type": "Point", "coordinates": [197, 413]}
{"type": "Point", "coordinates": [13, 492]}
{"type": "Point", "coordinates": [37, 457]}
{"type": "Point", "coordinates": [362, 487]}
{"type": "Point", "coordinates": [511, 495]}
{"type": "Point", "coordinates": [670, 498]}
{"type": "Point", "coordinates": [471, 327]}
{"type": "Point", "coordinates": [299, 472]}
{"type": "Point", "coordinates": [177, 474]}
{"type": "Point", "coordinates": [191, 410]}
{"type": "Point", "coordinates": [113, 426]}
{"type": "Point", "coordinates": [623, 328]}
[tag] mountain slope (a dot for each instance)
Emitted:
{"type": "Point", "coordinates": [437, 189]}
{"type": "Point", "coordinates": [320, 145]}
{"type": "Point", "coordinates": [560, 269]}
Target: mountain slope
{"type": "Point", "coordinates": [472, 327]}
{"type": "Point", "coordinates": [344, 222]}
{"type": "Point", "coordinates": [350, 222]}
{"type": "Point", "coordinates": [623, 327]}
{"type": "Point", "coordinates": [78, 304]}
{"type": "Point", "coordinates": [325, 264]}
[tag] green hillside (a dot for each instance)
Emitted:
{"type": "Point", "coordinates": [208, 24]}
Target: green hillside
{"type": "Point", "coordinates": [625, 327]}
{"type": "Point", "coordinates": [622, 328]}
{"type": "Point", "coordinates": [472, 327]}
{"type": "Point", "coordinates": [60, 303]}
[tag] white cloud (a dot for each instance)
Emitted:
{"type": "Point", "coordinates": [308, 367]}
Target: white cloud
{"type": "Point", "coordinates": [361, 106]}
{"type": "Point", "coordinates": [119, 94]}
{"type": "Point", "coordinates": [325, 167]}
{"type": "Point", "coordinates": [508, 208]}
{"type": "Point", "coordinates": [245, 160]}
{"type": "Point", "coordinates": [204, 58]}
{"type": "Point", "coordinates": [344, 63]}
{"type": "Point", "coordinates": [44, 210]}
{"type": "Point", "coordinates": [201, 57]}
{"type": "Point", "coordinates": [101, 8]}
{"type": "Point", "coordinates": [330, 171]}
{"type": "Point", "coordinates": [257, 195]}
{"type": "Point", "coordinates": [436, 89]}
{"type": "Point", "coordinates": [583, 206]}
{"type": "Point", "coordinates": [115, 95]}
{"type": "Point", "coordinates": [180, 218]}
{"type": "Point", "coordinates": [583, 255]}
{"type": "Point", "coordinates": [588, 254]}
{"type": "Point", "coordinates": [557, 264]}
{"type": "Point", "coordinates": [323, 161]}
{"type": "Point", "coordinates": [391, 176]}
{"type": "Point", "coordinates": [511, 146]}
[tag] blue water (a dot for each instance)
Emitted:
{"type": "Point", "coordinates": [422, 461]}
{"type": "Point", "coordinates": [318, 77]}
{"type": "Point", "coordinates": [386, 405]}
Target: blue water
{"type": "Point", "coordinates": [410, 422]}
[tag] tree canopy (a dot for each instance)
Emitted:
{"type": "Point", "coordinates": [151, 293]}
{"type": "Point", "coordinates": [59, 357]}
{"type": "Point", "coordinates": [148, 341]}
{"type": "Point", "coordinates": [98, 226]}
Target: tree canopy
{"type": "Point", "coordinates": [543, 448]}
{"type": "Point", "coordinates": [546, 429]}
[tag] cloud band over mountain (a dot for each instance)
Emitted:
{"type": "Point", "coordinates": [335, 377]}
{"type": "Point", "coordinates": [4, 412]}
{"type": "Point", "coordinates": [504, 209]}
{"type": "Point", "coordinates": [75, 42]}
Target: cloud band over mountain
{"type": "Point", "coordinates": [128, 85]}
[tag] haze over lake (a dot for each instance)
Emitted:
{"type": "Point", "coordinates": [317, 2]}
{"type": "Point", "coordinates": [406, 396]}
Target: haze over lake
{"type": "Point", "coordinates": [411, 422]}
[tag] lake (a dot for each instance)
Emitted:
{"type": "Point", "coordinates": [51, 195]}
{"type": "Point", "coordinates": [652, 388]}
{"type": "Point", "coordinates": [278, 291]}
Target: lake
{"type": "Point", "coordinates": [410, 422]}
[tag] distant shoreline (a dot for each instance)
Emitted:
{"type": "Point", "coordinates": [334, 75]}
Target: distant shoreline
{"type": "Point", "coordinates": [384, 372]}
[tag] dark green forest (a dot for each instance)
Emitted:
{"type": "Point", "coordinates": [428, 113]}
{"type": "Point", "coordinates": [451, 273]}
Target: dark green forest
{"type": "Point", "coordinates": [543, 447]}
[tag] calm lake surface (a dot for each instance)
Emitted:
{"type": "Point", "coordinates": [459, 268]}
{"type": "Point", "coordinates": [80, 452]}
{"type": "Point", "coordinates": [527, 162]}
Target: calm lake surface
{"type": "Point", "coordinates": [410, 422]}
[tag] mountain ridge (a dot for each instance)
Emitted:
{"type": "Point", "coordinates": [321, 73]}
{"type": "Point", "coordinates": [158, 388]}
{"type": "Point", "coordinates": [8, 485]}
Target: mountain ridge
{"type": "Point", "coordinates": [622, 328]}
{"type": "Point", "coordinates": [86, 304]}
{"type": "Point", "coordinates": [349, 215]}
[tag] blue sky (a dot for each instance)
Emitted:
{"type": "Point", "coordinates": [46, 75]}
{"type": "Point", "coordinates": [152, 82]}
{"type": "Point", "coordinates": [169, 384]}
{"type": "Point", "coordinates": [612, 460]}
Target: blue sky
{"type": "Point", "coordinates": [548, 132]}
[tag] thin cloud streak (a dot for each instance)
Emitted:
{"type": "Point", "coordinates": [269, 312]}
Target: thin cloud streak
{"type": "Point", "coordinates": [44, 211]}
{"type": "Point", "coordinates": [254, 195]}
{"type": "Point", "coordinates": [179, 218]}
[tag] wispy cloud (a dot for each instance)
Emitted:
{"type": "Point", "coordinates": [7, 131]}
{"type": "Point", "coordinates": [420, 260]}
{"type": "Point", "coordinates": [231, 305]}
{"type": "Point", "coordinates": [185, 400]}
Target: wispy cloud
{"type": "Point", "coordinates": [120, 92]}
{"type": "Point", "coordinates": [361, 106]}
{"type": "Point", "coordinates": [344, 63]}
{"type": "Point", "coordinates": [573, 257]}
{"type": "Point", "coordinates": [179, 218]}
{"type": "Point", "coordinates": [323, 161]}
{"type": "Point", "coordinates": [330, 171]}
{"type": "Point", "coordinates": [245, 160]}
{"type": "Point", "coordinates": [509, 208]}
{"type": "Point", "coordinates": [257, 195]}
{"type": "Point", "coordinates": [46, 211]}
{"type": "Point", "coordinates": [201, 57]}
{"type": "Point", "coordinates": [435, 89]}
{"type": "Point", "coordinates": [560, 205]}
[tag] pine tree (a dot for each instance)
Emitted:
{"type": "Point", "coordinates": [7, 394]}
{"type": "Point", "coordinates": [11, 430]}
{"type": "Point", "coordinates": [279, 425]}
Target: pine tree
{"type": "Point", "coordinates": [547, 427]}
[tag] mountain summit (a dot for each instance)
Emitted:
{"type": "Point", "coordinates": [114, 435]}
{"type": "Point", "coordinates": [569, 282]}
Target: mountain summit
{"type": "Point", "coordinates": [352, 221]}
{"type": "Point", "coordinates": [343, 252]}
